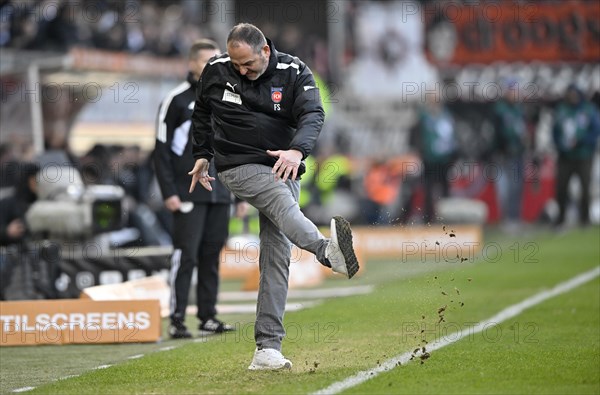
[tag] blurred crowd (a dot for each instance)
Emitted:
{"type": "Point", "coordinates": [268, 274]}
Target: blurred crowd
{"type": "Point", "coordinates": [155, 27]}
{"type": "Point", "coordinates": [517, 180]}
{"type": "Point", "coordinates": [165, 28]}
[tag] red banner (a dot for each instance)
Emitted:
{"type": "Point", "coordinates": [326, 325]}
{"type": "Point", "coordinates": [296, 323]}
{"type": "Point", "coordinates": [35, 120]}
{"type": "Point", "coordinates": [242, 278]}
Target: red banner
{"type": "Point", "coordinates": [504, 31]}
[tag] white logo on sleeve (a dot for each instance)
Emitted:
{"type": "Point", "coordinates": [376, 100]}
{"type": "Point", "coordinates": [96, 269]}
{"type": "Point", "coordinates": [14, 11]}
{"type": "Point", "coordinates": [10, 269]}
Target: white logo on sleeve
{"type": "Point", "coordinates": [308, 87]}
{"type": "Point", "coordinates": [191, 106]}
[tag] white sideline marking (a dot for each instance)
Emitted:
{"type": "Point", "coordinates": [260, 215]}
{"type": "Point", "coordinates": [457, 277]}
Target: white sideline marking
{"type": "Point", "coordinates": [24, 389]}
{"type": "Point", "coordinates": [444, 341]}
{"type": "Point", "coordinates": [71, 376]}
{"type": "Point", "coordinates": [241, 308]}
{"type": "Point", "coordinates": [237, 296]}
{"type": "Point", "coordinates": [168, 348]}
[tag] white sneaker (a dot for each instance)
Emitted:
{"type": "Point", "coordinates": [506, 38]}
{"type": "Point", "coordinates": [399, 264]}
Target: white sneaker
{"type": "Point", "coordinates": [269, 359]}
{"type": "Point", "coordinates": [339, 251]}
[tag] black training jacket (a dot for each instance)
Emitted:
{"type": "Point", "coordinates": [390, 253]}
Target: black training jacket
{"type": "Point", "coordinates": [173, 151]}
{"type": "Point", "coordinates": [236, 120]}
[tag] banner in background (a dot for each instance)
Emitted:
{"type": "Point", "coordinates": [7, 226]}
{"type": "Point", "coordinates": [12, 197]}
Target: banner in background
{"type": "Point", "coordinates": [489, 31]}
{"type": "Point", "coordinates": [120, 62]}
{"type": "Point", "coordinates": [79, 321]}
{"type": "Point", "coordinates": [451, 244]}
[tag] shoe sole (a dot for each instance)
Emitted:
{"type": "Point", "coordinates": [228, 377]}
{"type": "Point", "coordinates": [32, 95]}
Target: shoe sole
{"type": "Point", "coordinates": [286, 366]}
{"type": "Point", "coordinates": [344, 239]}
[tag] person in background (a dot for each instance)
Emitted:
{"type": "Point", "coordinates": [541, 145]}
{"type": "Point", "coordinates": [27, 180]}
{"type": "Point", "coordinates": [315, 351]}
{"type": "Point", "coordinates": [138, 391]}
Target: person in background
{"type": "Point", "coordinates": [575, 133]}
{"type": "Point", "coordinates": [258, 113]}
{"type": "Point", "coordinates": [200, 218]}
{"type": "Point", "coordinates": [435, 141]}
{"type": "Point", "coordinates": [381, 184]}
{"type": "Point", "coordinates": [511, 144]}
{"type": "Point", "coordinates": [9, 169]}
{"type": "Point", "coordinates": [13, 227]}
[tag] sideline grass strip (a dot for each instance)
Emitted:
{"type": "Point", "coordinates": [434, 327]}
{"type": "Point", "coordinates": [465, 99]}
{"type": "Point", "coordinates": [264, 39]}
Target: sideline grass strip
{"type": "Point", "coordinates": [553, 348]}
{"type": "Point", "coordinates": [424, 353]}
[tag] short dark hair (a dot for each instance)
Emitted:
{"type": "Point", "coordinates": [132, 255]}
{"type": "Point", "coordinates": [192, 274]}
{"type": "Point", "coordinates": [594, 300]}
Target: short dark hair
{"type": "Point", "coordinates": [249, 34]}
{"type": "Point", "coordinates": [201, 45]}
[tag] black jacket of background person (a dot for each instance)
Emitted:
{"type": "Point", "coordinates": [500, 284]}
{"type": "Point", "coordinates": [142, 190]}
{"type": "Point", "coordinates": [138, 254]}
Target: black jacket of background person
{"type": "Point", "coordinates": [248, 117]}
{"type": "Point", "coordinates": [173, 152]}
{"type": "Point", "coordinates": [16, 206]}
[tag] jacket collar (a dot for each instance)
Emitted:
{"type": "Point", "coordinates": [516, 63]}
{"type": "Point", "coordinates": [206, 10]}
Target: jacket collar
{"type": "Point", "coordinates": [272, 61]}
{"type": "Point", "coordinates": [190, 78]}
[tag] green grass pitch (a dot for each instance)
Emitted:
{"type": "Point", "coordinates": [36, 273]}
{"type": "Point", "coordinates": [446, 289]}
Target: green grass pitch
{"type": "Point", "coordinates": [551, 348]}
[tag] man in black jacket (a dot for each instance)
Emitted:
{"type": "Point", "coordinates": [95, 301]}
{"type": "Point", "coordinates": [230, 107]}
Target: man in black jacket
{"type": "Point", "coordinates": [258, 113]}
{"type": "Point", "coordinates": [13, 227]}
{"type": "Point", "coordinates": [200, 218]}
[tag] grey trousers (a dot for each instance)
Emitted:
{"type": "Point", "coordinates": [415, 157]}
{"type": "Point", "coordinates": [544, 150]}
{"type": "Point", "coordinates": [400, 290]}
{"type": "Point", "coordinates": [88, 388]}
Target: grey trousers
{"type": "Point", "coordinates": [281, 222]}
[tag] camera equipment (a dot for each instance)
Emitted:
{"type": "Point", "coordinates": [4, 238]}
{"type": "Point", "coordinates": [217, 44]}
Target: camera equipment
{"type": "Point", "coordinates": [67, 209]}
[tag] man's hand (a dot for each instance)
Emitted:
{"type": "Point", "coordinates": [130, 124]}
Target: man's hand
{"type": "Point", "coordinates": [287, 164]}
{"type": "Point", "coordinates": [173, 203]}
{"type": "Point", "coordinates": [15, 229]}
{"type": "Point", "coordinates": [200, 174]}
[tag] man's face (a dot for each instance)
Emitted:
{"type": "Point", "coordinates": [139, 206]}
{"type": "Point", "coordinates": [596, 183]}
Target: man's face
{"type": "Point", "coordinates": [573, 97]}
{"type": "Point", "coordinates": [197, 65]}
{"type": "Point", "coordinates": [247, 62]}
